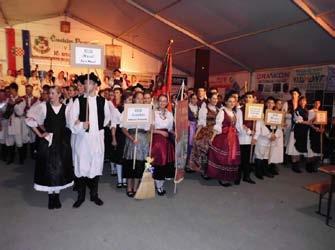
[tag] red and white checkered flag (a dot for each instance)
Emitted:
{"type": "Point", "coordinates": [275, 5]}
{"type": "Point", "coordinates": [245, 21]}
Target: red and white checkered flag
{"type": "Point", "coordinates": [16, 51]}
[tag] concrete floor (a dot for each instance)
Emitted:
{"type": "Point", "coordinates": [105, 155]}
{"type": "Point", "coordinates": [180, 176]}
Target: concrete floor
{"type": "Point", "coordinates": [274, 214]}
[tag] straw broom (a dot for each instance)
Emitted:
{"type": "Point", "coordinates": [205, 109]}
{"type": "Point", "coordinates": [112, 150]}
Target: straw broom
{"type": "Point", "coordinates": [146, 190]}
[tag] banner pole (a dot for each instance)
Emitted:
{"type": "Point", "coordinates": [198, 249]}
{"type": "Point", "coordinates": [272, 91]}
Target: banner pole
{"type": "Point", "coordinates": [135, 148]}
{"type": "Point", "coordinates": [252, 145]}
{"type": "Point", "coordinates": [87, 93]}
{"type": "Point", "coordinates": [321, 142]}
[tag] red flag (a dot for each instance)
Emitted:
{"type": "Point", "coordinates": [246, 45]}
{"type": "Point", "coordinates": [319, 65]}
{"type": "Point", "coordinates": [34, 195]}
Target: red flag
{"type": "Point", "coordinates": [164, 79]}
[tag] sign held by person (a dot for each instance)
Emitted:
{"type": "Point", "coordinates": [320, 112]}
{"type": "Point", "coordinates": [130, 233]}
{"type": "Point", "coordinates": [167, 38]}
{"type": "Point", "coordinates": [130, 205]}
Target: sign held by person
{"type": "Point", "coordinates": [87, 56]}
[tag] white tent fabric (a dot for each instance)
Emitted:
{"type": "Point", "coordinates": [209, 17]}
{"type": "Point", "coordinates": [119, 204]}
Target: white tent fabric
{"type": "Point", "coordinates": [241, 34]}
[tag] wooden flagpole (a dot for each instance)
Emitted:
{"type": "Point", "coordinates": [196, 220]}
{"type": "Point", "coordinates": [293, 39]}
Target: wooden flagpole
{"type": "Point", "coordinates": [252, 145]}
{"type": "Point", "coordinates": [135, 148]}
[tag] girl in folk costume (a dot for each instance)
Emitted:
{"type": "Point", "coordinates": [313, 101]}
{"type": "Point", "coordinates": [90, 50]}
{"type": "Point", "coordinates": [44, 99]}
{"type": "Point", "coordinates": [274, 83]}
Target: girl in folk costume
{"type": "Point", "coordinates": [193, 113]}
{"type": "Point", "coordinates": [245, 134]}
{"type": "Point", "coordinates": [60, 80]}
{"type": "Point", "coordinates": [35, 82]}
{"type": "Point", "coordinates": [21, 82]}
{"type": "Point", "coordinates": [289, 108]}
{"type": "Point", "coordinates": [265, 136]}
{"type": "Point", "coordinates": [313, 141]}
{"type": "Point", "coordinates": [205, 131]}
{"type": "Point", "coordinates": [224, 151]}
{"type": "Point", "coordinates": [162, 145]}
{"type": "Point", "coordinates": [277, 146]}
{"type": "Point", "coordinates": [53, 171]}
{"type": "Point", "coordinates": [88, 116]}
{"type": "Point", "coordinates": [118, 138]}
{"type": "Point", "coordinates": [141, 144]}
{"type": "Point", "coordinates": [298, 142]}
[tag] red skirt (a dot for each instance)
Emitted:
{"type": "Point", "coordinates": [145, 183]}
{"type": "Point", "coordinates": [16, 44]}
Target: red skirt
{"type": "Point", "coordinates": [224, 156]}
{"type": "Point", "coordinates": [162, 150]}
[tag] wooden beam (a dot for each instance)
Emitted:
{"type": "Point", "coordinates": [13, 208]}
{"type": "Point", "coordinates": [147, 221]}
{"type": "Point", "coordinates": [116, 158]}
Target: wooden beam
{"type": "Point", "coordinates": [318, 19]}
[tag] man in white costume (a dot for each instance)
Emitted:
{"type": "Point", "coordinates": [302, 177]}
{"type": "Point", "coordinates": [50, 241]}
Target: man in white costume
{"type": "Point", "coordinates": [15, 115]}
{"type": "Point", "coordinates": [88, 116]}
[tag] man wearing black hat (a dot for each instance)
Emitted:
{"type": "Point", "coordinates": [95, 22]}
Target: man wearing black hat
{"type": "Point", "coordinates": [88, 116]}
{"type": "Point", "coordinates": [118, 80]}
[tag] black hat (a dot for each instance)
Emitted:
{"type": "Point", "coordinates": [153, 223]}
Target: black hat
{"type": "Point", "coordinates": [116, 70]}
{"type": "Point", "coordinates": [93, 78]}
{"type": "Point", "coordinates": [295, 90]}
{"type": "Point", "coordinates": [81, 79]}
{"type": "Point", "coordinates": [138, 85]}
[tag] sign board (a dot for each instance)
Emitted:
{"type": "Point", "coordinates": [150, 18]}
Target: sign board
{"type": "Point", "coordinates": [139, 114]}
{"type": "Point", "coordinates": [254, 112]}
{"type": "Point", "coordinates": [87, 55]}
{"type": "Point", "coordinates": [321, 117]}
{"type": "Point", "coordinates": [273, 117]}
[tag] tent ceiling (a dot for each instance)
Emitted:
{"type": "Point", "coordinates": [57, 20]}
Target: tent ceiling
{"type": "Point", "coordinates": [258, 33]}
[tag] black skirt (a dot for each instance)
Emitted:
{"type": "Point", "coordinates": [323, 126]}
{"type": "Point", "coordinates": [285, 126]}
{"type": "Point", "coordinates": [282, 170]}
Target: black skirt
{"type": "Point", "coordinates": [53, 167]}
{"type": "Point", "coordinates": [163, 172]}
{"type": "Point", "coordinates": [117, 151]}
{"type": "Point", "coordinates": [130, 173]}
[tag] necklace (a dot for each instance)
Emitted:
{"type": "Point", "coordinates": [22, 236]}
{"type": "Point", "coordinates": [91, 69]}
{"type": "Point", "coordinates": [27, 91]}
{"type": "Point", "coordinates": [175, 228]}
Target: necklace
{"type": "Point", "coordinates": [162, 114]}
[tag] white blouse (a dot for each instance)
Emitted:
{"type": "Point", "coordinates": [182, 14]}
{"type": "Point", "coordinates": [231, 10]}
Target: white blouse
{"type": "Point", "coordinates": [37, 114]}
{"type": "Point", "coordinates": [202, 119]}
{"type": "Point", "coordinates": [160, 123]}
{"type": "Point", "coordinates": [220, 118]}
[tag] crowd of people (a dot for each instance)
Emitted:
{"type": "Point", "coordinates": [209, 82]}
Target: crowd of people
{"type": "Point", "coordinates": [71, 128]}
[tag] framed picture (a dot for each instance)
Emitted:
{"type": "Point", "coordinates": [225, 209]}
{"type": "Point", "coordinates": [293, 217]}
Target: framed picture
{"type": "Point", "coordinates": [321, 117]}
{"type": "Point", "coordinates": [113, 56]}
{"type": "Point", "coordinates": [254, 112]}
{"type": "Point", "coordinates": [139, 114]}
{"type": "Point", "coordinates": [273, 117]}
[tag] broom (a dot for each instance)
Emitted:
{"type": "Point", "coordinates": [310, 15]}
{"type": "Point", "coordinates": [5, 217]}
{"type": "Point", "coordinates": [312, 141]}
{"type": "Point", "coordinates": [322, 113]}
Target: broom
{"type": "Point", "coordinates": [146, 190]}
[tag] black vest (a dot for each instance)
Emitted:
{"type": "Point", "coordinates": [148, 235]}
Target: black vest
{"type": "Point", "coordinates": [100, 110]}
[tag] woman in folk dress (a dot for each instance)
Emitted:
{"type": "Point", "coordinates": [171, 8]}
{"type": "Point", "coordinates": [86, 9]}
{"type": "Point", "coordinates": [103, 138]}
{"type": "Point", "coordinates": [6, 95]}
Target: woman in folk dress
{"type": "Point", "coordinates": [54, 170]}
{"type": "Point", "coordinates": [134, 175]}
{"type": "Point", "coordinates": [163, 145]}
{"type": "Point", "coordinates": [193, 113]}
{"type": "Point", "coordinates": [224, 151]}
{"type": "Point", "coordinates": [205, 131]}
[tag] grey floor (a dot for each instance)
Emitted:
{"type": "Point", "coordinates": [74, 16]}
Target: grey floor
{"type": "Point", "coordinates": [274, 214]}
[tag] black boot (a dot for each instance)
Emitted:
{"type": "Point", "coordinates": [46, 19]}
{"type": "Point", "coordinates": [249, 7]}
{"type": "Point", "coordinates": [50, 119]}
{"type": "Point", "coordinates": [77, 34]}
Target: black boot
{"type": "Point", "coordinates": [81, 187]}
{"type": "Point", "coordinates": [21, 154]}
{"type": "Point", "coordinates": [258, 169]}
{"type": "Point", "coordinates": [57, 202]}
{"type": "Point", "coordinates": [273, 169]}
{"type": "Point", "coordinates": [266, 169]}
{"type": "Point", "coordinates": [309, 167]}
{"type": "Point", "coordinates": [93, 186]}
{"type": "Point", "coordinates": [11, 154]}
{"type": "Point", "coordinates": [246, 175]}
{"type": "Point", "coordinates": [295, 167]}
{"type": "Point", "coordinates": [4, 151]}
{"type": "Point", "coordinates": [51, 202]}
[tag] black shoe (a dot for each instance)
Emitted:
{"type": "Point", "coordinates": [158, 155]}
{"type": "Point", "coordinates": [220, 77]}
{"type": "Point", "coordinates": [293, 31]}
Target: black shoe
{"type": "Point", "coordinates": [57, 201]}
{"type": "Point", "coordinates": [97, 200]}
{"type": "Point", "coordinates": [119, 185]}
{"type": "Point", "coordinates": [161, 191]}
{"type": "Point", "coordinates": [225, 184]}
{"type": "Point", "coordinates": [267, 174]}
{"type": "Point", "coordinates": [130, 194]}
{"type": "Point", "coordinates": [188, 170]}
{"type": "Point", "coordinates": [124, 185]}
{"type": "Point", "coordinates": [205, 177]}
{"type": "Point", "coordinates": [51, 202]}
{"type": "Point", "coordinates": [78, 203]}
{"type": "Point", "coordinates": [259, 177]}
{"type": "Point", "coordinates": [249, 180]}
{"type": "Point", "coordinates": [296, 169]}
{"type": "Point", "coordinates": [237, 182]}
